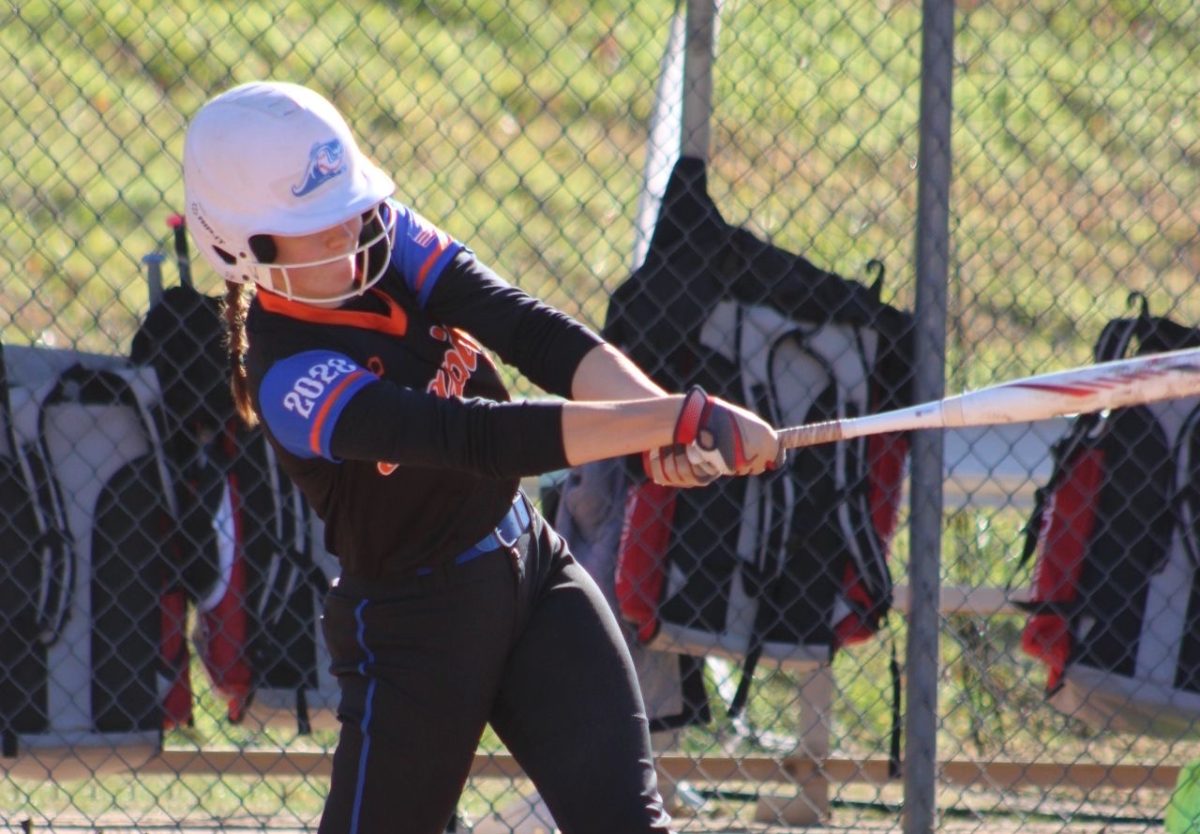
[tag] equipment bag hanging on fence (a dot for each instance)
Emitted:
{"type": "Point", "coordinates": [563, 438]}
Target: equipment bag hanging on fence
{"type": "Point", "coordinates": [29, 550]}
{"type": "Point", "coordinates": [250, 550]}
{"type": "Point", "coordinates": [180, 339]}
{"type": "Point", "coordinates": [257, 625]}
{"type": "Point", "coordinates": [1115, 604]}
{"type": "Point", "coordinates": [791, 564]}
{"type": "Point", "coordinates": [87, 442]}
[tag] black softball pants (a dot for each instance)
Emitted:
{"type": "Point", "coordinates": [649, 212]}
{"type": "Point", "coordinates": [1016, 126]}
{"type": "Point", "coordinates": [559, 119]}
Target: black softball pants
{"type": "Point", "coordinates": [520, 639]}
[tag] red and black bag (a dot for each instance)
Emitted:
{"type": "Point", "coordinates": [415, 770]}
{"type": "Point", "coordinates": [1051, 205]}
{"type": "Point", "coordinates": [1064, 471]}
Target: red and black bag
{"type": "Point", "coordinates": [180, 339]}
{"type": "Point", "coordinates": [1115, 603]}
{"type": "Point", "coordinates": [257, 624]}
{"type": "Point", "coordinates": [246, 551]}
{"type": "Point", "coordinates": [792, 564]}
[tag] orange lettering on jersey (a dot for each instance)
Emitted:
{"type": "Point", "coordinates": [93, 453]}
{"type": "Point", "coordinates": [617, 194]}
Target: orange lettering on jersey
{"type": "Point", "coordinates": [460, 361]}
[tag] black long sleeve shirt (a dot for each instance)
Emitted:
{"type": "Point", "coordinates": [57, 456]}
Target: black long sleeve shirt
{"type": "Point", "coordinates": [390, 415]}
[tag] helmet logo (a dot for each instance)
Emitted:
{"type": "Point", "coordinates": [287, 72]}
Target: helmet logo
{"type": "Point", "coordinates": [325, 161]}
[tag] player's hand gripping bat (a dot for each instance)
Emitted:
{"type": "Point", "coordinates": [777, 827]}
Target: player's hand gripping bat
{"type": "Point", "coordinates": [1145, 379]}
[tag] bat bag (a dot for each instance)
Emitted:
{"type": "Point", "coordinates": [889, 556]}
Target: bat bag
{"type": "Point", "coordinates": [1115, 599]}
{"type": "Point", "coordinates": [257, 625]}
{"type": "Point", "coordinates": [31, 548]}
{"type": "Point", "coordinates": [181, 341]}
{"type": "Point", "coordinates": [88, 564]}
{"type": "Point", "coordinates": [249, 550]}
{"type": "Point", "coordinates": [792, 564]}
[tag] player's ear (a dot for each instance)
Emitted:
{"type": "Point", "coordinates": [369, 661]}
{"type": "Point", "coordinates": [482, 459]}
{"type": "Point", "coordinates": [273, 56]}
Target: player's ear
{"type": "Point", "coordinates": [264, 249]}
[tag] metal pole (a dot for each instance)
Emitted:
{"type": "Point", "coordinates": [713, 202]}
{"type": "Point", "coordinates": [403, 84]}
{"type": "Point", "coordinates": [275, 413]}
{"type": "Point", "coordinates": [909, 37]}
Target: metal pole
{"type": "Point", "coordinates": [664, 141]}
{"type": "Point", "coordinates": [154, 279]}
{"type": "Point", "coordinates": [932, 268]}
{"type": "Point", "coordinates": [697, 78]}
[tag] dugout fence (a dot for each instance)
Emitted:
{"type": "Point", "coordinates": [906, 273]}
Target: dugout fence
{"type": "Point", "coordinates": [1027, 173]}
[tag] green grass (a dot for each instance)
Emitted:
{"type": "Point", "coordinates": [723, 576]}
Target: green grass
{"type": "Point", "coordinates": [521, 128]}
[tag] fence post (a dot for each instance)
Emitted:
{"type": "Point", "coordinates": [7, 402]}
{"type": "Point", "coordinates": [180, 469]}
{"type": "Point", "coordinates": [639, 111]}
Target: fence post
{"type": "Point", "coordinates": [697, 77]}
{"type": "Point", "coordinates": [932, 255]}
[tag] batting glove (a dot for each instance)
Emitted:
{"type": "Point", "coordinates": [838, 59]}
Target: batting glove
{"type": "Point", "coordinates": [716, 434]}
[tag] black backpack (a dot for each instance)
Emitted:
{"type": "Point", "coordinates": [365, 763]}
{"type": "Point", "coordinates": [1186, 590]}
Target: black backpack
{"type": "Point", "coordinates": [1115, 603]}
{"type": "Point", "coordinates": [86, 566]}
{"type": "Point", "coordinates": [247, 549]}
{"type": "Point", "coordinates": [30, 547]}
{"type": "Point", "coordinates": [792, 564]}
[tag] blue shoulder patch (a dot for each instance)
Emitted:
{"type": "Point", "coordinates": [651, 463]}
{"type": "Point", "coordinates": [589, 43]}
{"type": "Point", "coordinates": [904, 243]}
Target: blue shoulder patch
{"type": "Point", "coordinates": [302, 396]}
{"type": "Point", "coordinates": [421, 251]}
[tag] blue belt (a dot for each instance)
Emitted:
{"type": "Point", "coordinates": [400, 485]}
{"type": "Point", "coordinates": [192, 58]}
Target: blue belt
{"type": "Point", "coordinates": [505, 535]}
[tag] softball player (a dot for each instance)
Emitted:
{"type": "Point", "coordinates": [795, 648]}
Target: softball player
{"type": "Point", "coordinates": [365, 354]}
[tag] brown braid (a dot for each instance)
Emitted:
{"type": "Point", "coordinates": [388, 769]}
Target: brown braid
{"type": "Point", "coordinates": [237, 302]}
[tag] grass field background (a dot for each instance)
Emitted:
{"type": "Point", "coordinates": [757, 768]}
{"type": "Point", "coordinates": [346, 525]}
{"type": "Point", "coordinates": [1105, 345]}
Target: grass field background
{"type": "Point", "coordinates": [521, 128]}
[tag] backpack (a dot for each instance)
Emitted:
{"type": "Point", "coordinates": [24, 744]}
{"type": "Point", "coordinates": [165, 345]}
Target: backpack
{"type": "Point", "coordinates": [792, 564]}
{"type": "Point", "coordinates": [85, 439]}
{"type": "Point", "coordinates": [1115, 602]}
{"type": "Point", "coordinates": [25, 603]}
{"type": "Point", "coordinates": [249, 550]}
{"type": "Point", "coordinates": [257, 625]}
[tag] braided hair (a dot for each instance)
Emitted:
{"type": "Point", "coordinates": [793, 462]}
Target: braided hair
{"type": "Point", "coordinates": [237, 303]}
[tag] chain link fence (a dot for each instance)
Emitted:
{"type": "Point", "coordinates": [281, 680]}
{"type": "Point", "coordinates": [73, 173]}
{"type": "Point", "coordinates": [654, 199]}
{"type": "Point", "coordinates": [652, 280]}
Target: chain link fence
{"type": "Point", "coordinates": [142, 690]}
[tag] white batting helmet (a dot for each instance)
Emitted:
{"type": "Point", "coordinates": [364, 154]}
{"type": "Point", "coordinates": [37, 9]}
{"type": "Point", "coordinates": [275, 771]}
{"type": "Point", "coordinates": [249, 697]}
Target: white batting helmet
{"type": "Point", "coordinates": [273, 158]}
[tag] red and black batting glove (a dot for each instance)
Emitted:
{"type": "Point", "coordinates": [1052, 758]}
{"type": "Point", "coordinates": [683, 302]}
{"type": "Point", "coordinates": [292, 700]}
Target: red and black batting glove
{"type": "Point", "coordinates": [711, 432]}
{"type": "Point", "coordinates": [714, 434]}
{"type": "Point", "coordinates": [709, 442]}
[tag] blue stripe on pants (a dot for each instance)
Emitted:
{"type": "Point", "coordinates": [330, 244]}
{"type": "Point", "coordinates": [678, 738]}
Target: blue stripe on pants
{"type": "Point", "coordinates": [366, 719]}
